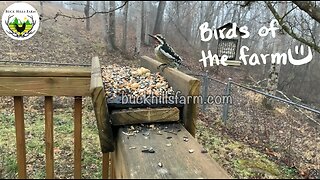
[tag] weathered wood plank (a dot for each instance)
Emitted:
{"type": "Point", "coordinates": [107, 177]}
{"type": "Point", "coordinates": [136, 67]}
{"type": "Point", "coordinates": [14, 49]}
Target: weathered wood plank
{"type": "Point", "coordinates": [100, 108]}
{"type": "Point", "coordinates": [173, 154]}
{"type": "Point", "coordinates": [19, 71]}
{"type": "Point", "coordinates": [182, 83]}
{"type": "Point", "coordinates": [48, 106]}
{"type": "Point", "coordinates": [10, 62]}
{"type": "Point", "coordinates": [20, 137]}
{"type": "Point", "coordinates": [144, 115]}
{"type": "Point", "coordinates": [44, 86]}
{"type": "Point", "coordinates": [77, 136]}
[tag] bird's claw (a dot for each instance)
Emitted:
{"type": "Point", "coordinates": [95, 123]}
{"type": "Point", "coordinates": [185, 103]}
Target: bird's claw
{"type": "Point", "coordinates": [162, 67]}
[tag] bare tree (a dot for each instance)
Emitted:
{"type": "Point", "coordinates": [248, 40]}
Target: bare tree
{"type": "Point", "coordinates": [273, 79]}
{"type": "Point", "coordinates": [160, 12]}
{"type": "Point", "coordinates": [125, 28]}
{"type": "Point", "coordinates": [112, 26]}
{"type": "Point", "coordinates": [107, 28]}
{"type": "Point", "coordinates": [86, 12]}
{"type": "Point", "coordinates": [147, 21]}
{"type": "Point", "coordinates": [143, 24]}
{"type": "Point", "coordinates": [313, 11]}
{"type": "Point", "coordinates": [41, 16]}
{"type": "Point", "coordinates": [310, 8]}
{"type": "Point", "coordinates": [138, 28]}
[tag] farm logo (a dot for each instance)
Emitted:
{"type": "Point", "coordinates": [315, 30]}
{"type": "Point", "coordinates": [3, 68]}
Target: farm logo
{"type": "Point", "coordinates": [20, 21]}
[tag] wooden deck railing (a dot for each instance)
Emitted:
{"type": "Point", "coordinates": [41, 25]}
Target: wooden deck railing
{"type": "Point", "coordinates": [180, 161]}
{"type": "Point", "coordinates": [47, 82]}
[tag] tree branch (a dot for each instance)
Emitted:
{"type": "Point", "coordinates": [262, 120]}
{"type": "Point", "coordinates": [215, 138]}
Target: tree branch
{"type": "Point", "coordinates": [84, 17]}
{"type": "Point", "coordinates": [310, 8]}
{"type": "Point", "coordinates": [290, 31]}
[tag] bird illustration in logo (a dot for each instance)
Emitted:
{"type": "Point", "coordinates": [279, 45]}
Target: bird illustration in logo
{"type": "Point", "coordinates": [21, 28]}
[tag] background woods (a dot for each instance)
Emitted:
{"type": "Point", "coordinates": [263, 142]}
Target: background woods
{"type": "Point", "coordinates": [179, 22]}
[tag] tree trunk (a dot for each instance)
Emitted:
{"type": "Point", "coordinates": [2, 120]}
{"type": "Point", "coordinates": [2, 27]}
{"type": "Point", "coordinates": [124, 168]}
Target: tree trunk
{"type": "Point", "coordinates": [274, 71]}
{"type": "Point", "coordinates": [86, 12]}
{"type": "Point", "coordinates": [143, 25]}
{"type": "Point", "coordinates": [41, 16]}
{"type": "Point", "coordinates": [125, 28]}
{"type": "Point", "coordinates": [138, 28]}
{"type": "Point", "coordinates": [107, 29]}
{"type": "Point", "coordinates": [158, 25]}
{"type": "Point", "coordinates": [147, 22]}
{"type": "Point", "coordinates": [112, 25]}
{"type": "Point", "coordinates": [41, 8]}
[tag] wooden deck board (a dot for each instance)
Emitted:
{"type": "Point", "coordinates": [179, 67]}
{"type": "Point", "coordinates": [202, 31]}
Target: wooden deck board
{"type": "Point", "coordinates": [144, 115]}
{"type": "Point", "coordinates": [176, 159]}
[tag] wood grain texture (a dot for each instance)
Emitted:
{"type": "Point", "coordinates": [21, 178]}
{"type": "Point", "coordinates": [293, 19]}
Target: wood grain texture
{"type": "Point", "coordinates": [18, 71]}
{"type": "Point", "coordinates": [144, 115]}
{"type": "Point", "coordinates": [183, 84]}
{"type": "Point", "coordinates": [48, 107]}
{"type": "Point", "coordinates": [20, 137]}
{"type": "Point", "coordinates": [44, 86]}
{"type": "Point", "coordinates": [77, 136]}
{"type": "Point", "coordinates": [177, 162]}
{"type": "Point", "coordinates": [100, 108]}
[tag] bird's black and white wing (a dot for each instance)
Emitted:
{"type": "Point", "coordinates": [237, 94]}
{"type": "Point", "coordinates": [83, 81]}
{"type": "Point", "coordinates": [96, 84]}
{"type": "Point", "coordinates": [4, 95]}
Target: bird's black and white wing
{"type": "Point", "coordinates": [169, 53]}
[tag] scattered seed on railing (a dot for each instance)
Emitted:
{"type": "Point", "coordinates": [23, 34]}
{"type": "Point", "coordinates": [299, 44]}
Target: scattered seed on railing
{"type": "Point", "coordinates": [150, 150]}
{"type": "Point", "coordinates": [191, 150]}
{"type": "Point", "coordinates": [171, 131]}
{"type": "Point", "coordinates": [204, 151]}
{"type": "Point", "coordinates": [168, 145]}
{"type": "Point", "coordinates": [159, 133]}
{"type": "Point", "coordinates": [128, 134]}
{"type": "Point", "coordinates": [132, 147]}
{"type": "Point", "coordinates": [185, 139]}
{"type": "Point", "coordinates": [169, 137]}
{"type": "Point", "coordinates": [146, 133]}
{"type": "Point", "coordinates": [160, 164]}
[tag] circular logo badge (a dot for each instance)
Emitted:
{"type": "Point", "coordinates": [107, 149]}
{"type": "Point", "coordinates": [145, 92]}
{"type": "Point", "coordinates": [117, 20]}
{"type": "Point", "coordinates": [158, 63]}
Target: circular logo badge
{"type": "Point", "coordinates": [20, 21]}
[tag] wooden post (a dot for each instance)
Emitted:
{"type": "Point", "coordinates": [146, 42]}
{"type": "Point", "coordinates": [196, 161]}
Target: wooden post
{"type": "Point", "coordinates": [77, 136]}
{"type": "Point", "coordinates": [105, 165]}
{"type": "Point", "coordinates": [183, 84]}
{"type": "Point", "coordinates": [48, 106]}
{"type": "Point", "coordinates": [100, 108]}
{"type": "Point", "coordinates": [20, 137]}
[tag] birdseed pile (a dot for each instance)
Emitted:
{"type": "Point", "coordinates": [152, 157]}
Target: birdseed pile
{"type": "Point", "coordinates": [125, 80]}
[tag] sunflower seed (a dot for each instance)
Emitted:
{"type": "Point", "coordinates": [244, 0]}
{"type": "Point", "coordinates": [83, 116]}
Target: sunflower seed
{"type": "Point", "coordinates": [204, 151]}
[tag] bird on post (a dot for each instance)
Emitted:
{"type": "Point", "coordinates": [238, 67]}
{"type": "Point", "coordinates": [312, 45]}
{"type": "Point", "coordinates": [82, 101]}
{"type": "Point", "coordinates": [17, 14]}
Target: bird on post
{"type": "Point", "coordinates": [165, 53]}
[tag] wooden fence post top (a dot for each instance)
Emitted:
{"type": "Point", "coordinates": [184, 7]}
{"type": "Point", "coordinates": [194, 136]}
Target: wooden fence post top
{"type": "Point", "coordinates": [182, 83]}
{"type": "Point", "coordinates": [100, 107]}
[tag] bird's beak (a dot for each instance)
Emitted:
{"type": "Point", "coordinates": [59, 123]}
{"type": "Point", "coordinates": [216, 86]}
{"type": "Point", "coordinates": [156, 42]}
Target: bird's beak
{"type": "Point", "coordinates": [152, 36]}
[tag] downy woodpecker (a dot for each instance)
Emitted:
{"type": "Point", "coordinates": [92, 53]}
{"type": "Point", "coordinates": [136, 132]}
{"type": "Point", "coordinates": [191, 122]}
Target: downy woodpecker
{"type": "Point", "coordinates": [165, 54]}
